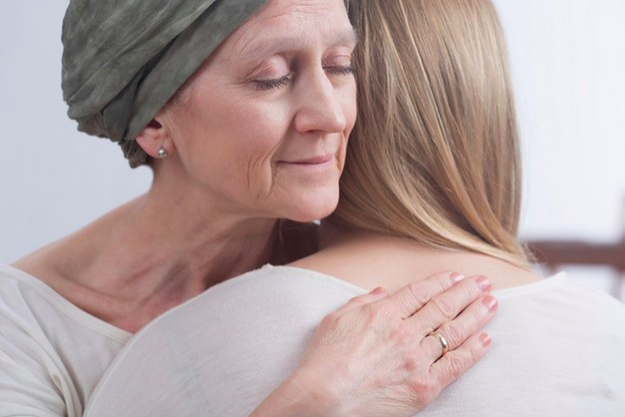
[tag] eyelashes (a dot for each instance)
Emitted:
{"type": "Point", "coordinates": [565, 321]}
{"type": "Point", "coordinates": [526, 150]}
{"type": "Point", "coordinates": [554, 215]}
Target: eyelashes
{"type": "Point", "coordinates": [276, 83]}
{"type": "Point", "coordinates": [272, 84]}
{"type": "Point", "coordinates": [340, 70]}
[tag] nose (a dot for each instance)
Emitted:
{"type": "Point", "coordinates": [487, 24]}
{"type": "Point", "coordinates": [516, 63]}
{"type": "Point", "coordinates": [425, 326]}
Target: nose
{"type": "Point", "coordinates": [321, 105]}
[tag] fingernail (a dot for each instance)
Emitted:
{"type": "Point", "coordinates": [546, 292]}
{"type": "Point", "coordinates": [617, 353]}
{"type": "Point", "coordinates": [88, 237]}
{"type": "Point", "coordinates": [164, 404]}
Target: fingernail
{"type": "Point", "coordinates": [490, 302]}
{"type": "Point", "coordinates": [484, 284]}
{"type": "Point", "coordinates": [378, 291]}
{"type": "Point", "coordinates": [456, 277]}
{"type": "Point", "coordinates": [485, 340]}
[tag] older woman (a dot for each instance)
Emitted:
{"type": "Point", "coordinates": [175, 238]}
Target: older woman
{"type": "Point", "coordinates": [431, 179]}
{"type": "Point", "coordinates": [243, 110]}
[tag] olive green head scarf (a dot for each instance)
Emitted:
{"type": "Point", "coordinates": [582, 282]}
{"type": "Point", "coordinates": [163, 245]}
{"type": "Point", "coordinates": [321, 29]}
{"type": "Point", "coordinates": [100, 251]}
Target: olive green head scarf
{"type": "Point", "coordinates": [124, 59]}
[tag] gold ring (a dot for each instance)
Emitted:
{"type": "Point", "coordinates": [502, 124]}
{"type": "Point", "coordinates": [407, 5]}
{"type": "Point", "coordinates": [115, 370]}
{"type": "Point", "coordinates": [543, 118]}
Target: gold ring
{"type": "Point", "coordinates": [442, 341]}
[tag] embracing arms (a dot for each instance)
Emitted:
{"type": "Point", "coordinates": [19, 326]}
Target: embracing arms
{"type": "Point", "coordinates": [372, 356]}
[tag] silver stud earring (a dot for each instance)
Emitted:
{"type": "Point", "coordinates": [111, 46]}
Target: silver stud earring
{"type": "Point", "coordinates": [162, 153]}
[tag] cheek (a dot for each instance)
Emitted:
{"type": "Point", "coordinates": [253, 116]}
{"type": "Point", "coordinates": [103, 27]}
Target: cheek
{"type": "Point", "coordinates": [251, 135]}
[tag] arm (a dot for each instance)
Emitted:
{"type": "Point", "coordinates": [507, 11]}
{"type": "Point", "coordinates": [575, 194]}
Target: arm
{"type": "Point", "coordinates": [371, 356]}
{"type": "Point", "coordinates": [30, 382]}
{"type": "Point", "coordinates": [374, 356]}
{"type": "Point", "coordinates": [33, 378]}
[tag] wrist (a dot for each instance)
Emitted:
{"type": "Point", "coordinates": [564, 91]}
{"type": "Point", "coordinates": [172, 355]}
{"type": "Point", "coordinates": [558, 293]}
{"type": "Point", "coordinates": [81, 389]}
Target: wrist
{"type": "Point", "coordinates": [301, 395]}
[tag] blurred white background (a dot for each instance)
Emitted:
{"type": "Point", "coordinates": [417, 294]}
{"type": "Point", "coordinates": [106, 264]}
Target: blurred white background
{"type": "Point", "coordinates": [568, 63]}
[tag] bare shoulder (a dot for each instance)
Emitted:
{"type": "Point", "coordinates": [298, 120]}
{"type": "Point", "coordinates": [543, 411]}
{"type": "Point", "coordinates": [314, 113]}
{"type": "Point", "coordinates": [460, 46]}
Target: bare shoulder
{"type": "Point", "coordinates": [44, 262]}
{"type": "Point", "coordinates": [63, 266]}
{"type": "Point", "coordinates": [53, 265]}
{"type": "Point", "coordinates": [502, 274]}
{"type": "Point", "coordinates": [65, 258]}
{"type": "Point", "coordinates": [393, 263]}
{"type": "Point", "coordinates": [62, 260]}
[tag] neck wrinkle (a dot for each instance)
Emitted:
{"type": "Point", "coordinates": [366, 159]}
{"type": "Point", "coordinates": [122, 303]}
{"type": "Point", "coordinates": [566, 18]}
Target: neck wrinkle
{"type": "Point", "coordinates": [155, 249]}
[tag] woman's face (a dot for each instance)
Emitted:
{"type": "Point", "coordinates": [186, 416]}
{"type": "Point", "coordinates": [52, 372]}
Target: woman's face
{"type": "Point", "coordinates": [264, 126]}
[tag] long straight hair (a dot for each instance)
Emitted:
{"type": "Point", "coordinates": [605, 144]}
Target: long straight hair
{"type": "Point", "coordinates": [434, 155]}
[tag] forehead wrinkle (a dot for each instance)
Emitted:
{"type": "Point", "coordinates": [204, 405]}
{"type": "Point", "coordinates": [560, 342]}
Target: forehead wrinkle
{"type": "Point", "coordinates": [292, 42]}
{"type": "Point", "coordinates": [250, 42]}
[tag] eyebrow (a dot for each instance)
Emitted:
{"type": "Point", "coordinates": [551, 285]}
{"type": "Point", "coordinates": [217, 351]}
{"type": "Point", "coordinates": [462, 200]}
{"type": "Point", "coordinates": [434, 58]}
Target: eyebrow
{"type": "Point", "coordinates": [291, 43]}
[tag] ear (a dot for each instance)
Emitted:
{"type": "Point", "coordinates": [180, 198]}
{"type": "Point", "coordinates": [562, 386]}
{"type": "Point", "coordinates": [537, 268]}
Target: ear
{"type": "Point", "coordinates": [153, 137]}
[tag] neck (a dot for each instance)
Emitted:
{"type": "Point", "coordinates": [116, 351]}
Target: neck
{"type": "Point", "coordinates": [150, 255]}
{"type": "Point", "coordinates": [160, 250]}
{"type": "Point", "coordinates": [153, 246]}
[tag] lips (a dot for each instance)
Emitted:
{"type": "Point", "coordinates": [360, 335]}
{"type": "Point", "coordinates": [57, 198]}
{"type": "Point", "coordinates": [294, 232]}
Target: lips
{"type": "Point", "coordinates": [315, 160]}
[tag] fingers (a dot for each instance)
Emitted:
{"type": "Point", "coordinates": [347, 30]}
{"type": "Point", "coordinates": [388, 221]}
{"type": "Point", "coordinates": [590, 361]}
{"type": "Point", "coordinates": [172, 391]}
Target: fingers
{"type": "Point", "coordinates": [456, 362]}
{"type": "Point", "coordinates": [382, 340]}
{"type": "Point", "coordinates": [413, 297]}
{"type": "Point", "coordinates": [455, 332]}
{"type": "Point", "coordinates": [447, 305]}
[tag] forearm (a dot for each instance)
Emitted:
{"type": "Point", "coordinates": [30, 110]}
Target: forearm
{"type": "Point", "coordinates": [298, 396]}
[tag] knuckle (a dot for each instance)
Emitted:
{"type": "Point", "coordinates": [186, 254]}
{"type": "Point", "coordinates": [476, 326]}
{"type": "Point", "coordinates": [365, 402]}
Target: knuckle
{"type": "Point", "coordinates": [429, 396]}
{"type": "Point", "coordinates": [441, 282]}
{"type": "Point", "coordinates": [375, 313]}
{"type": "Point", "coordinates": [474, 353]}
{"type": "Point", "coordinates": [420, 387]}
{"type": "Point", "coordinates": [453, 334]}
{"type": "Point", "coordinates": [423, 390]}
{"type": "Point", "coordinates": [442, 285]}
{"type": "Point", "coordinates": [419, 293]}
{"type": "Point", "coordinates": [456, 366]}
{"type": "Point", "coordinates": [445, 307]}
{"type": "Point", "coordinates": [400, 335]}
{"type": "Point", "coordinates": [410, 364]}
{"type": "Point", "coordinates": [478, 317]}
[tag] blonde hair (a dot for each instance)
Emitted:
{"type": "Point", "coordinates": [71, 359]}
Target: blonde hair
{"type": "Point", "coordinates": [434, 155]}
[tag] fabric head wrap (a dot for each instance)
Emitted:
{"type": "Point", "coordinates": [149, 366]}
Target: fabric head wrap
{"type": "Point", "coordinates": [124, 59]}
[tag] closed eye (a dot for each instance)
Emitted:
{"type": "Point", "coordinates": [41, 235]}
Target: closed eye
{"type": "Point", "coordinates": [340, 69]}
{"type": "Point", "coordinates": [272, 83]}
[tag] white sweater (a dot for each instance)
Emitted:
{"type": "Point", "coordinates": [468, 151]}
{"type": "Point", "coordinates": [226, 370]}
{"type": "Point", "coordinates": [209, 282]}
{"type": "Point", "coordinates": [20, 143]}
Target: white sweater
{"type": "Point", "coordinates": [558, 350]}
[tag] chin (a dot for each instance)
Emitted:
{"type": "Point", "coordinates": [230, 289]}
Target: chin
{"type": "Point", "coordinates": [314, 206]}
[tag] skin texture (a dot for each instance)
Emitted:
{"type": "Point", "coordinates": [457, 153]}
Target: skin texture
{"type": "Point", "coordinates": [259, 135]}
{"type": "Point", "coordinates": [264, 128]}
